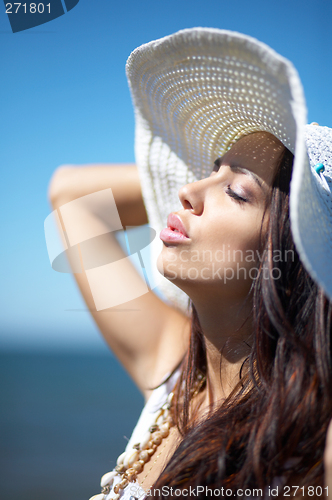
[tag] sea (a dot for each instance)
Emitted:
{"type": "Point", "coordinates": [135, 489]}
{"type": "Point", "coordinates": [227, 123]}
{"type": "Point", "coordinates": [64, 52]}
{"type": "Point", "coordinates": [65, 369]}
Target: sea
{"type": "Point", "coordinates": [64, 419]}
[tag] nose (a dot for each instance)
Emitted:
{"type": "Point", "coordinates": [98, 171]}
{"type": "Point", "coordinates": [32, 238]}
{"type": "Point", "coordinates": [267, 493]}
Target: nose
{"type": "Point", "coordinates": [192, 196]}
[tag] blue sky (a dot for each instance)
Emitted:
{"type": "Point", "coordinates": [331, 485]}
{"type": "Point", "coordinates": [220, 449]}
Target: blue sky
{"type": "Point", "coordinates": [64, 99]}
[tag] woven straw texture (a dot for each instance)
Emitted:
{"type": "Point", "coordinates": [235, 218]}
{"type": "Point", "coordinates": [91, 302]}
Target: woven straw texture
{"type": "Point", "coordinates": [311, 206]}
{"type": "Point", "coordinates": [195, 93]}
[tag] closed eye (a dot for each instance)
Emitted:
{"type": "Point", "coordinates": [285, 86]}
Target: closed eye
{"type": "Point", "coordinates": [234, 195]}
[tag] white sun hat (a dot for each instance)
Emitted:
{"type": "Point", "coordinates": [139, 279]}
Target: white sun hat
{"type": "Point", "coordinates": [195, 93]}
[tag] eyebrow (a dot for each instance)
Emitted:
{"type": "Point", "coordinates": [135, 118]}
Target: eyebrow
{"type": "Point", "coordinates": [237, 168]}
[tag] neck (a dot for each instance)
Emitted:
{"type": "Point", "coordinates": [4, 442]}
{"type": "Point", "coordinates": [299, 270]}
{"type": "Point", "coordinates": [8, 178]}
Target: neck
{"type": "Point", "coordinates": [227, 329]}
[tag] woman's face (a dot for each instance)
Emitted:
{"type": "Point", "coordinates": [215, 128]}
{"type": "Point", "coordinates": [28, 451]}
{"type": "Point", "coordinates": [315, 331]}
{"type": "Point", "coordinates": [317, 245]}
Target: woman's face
{"type": "Point", "coordinates": [212, 243]}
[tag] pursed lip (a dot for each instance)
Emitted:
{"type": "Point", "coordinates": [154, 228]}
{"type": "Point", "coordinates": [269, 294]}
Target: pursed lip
{"type": "Point", "coordinates": [175, 223]}
{"type": "Point", "coordinates": [175, 232]}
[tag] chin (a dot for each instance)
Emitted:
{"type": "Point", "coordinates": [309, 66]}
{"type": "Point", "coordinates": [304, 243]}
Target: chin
{"type": "Point", "coordinates": [200, 284]}
{"type": "Point", "coordinates": [160, 265]}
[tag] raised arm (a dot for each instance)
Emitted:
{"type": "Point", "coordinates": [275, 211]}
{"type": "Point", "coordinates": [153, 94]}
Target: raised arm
{"type": "Point", "coordinates": [148, 336]}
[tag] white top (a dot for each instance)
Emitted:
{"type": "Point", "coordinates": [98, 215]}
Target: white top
{"type": "Point", "coordinates": [147, 418]}
{"type": "Point", "coordinates": [157, 399]}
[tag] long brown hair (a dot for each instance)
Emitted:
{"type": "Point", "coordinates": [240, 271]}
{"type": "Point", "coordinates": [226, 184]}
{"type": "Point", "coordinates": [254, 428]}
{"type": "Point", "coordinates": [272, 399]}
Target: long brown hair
{"type": "Point", "coordinates": [274, 422]}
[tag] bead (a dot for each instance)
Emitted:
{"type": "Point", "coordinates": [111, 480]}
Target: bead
{"type": "Point", "coordinates": [131, 473]}
{"type": "Point", "coordinates": [164, 431]}
{"type": "Point", "coordinates": [124, 483]}
{"type": "Point", "coordinates": [160, 420]}
{"type": "Point", "coordinates": [154, 428]}
{"type": "Point", "coordinates": [319, 167]}
{"type": "Point", "coordinates": [107, 478]}
{"type": "Point", "coordinates": [144, 455]}
{"type": "Point", "coordinates": [138, 467]}
{"type": "Point", "coordinates": [158, 415]}
{"type": "Point", "coordinates": [170, 398]}
{"type": "Point", "coordinates": [130, 458]}
{"type": "Point", "coordinates": [145, 440]}
{"type": "Point", "coordinates": [133, 457]}
{"type": "Point", "coordinates": [157, 438]}
{"type": "Point", "coordinates": [120, 468]}
{"type": "Point", "coordinates": [166, 424]}
{"type": "Point", "coordinates": [131, 462]}
{"type": "Point", "coordinates": [170, 421]}
{"type": "Point", "coordinates": [120, 459]}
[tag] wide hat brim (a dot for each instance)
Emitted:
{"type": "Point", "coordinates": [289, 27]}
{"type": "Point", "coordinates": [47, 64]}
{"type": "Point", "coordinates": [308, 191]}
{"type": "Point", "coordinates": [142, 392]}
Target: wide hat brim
{"type": "Point", "coordinates": [311, 205]}
{"type": "Point", "coordinates": [195, 93]}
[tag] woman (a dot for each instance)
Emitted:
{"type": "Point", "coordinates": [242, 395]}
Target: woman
{"type": "Point", "coordinates": [250, 368]}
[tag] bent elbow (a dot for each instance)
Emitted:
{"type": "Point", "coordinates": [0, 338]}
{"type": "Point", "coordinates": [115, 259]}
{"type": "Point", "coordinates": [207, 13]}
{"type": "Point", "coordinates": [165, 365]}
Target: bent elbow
{"type": "Point", "coordinates": [59, 186]}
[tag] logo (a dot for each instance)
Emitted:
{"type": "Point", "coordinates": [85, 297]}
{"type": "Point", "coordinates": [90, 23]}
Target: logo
{"type": "Point", "coordinates": [23, 16]}
{"type": "Point", "coordinates": [78, 240]}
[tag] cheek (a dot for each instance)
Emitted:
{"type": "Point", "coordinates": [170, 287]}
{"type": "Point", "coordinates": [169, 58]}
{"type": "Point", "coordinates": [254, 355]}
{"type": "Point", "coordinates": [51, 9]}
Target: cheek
{"type": "Point", "coordinates": [239, 233]}
{"type": "Point", "coordinates": [249, 240]}
{"type": "Point", "coordinates": [236, 246]}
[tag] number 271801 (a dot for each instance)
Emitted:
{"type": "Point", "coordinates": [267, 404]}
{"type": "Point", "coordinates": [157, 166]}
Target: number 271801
{"type": "Point", "coordinates": [310, 491]}
{"type": "Point", "coordinates": [33, 8]}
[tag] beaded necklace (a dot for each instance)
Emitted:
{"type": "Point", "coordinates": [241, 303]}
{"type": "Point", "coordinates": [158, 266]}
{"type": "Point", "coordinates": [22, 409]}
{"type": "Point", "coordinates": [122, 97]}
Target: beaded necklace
{"type": "Point", "coordinates": [130, 463]}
